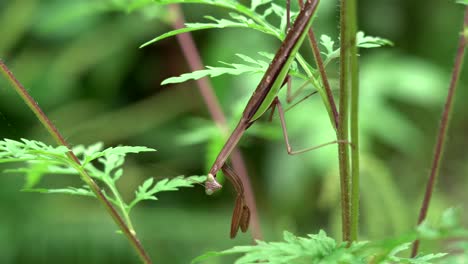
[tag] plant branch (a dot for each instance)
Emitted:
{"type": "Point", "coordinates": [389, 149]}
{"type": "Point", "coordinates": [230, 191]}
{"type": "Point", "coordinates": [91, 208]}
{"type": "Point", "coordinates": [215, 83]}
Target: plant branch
{"type": "Point", "coordinates": [354, 118]}
{"type": "Point", "coordinates": [443, 127]}
{"type": "Point", "coordinates": [193, 58]}
{"type": "Point", "coordinates": [323, 74]}
{"type": "Point", "coordinates": [343, 128]}
{"type": "Point", "coordinates": [53, 131]}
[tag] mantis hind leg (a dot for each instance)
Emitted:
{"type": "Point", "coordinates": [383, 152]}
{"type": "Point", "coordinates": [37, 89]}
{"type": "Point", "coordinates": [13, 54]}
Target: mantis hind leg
{"type": "Point", "coordinates": [286, 137]}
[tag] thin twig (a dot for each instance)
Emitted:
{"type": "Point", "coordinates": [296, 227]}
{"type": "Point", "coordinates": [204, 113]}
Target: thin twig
{"type": "Point", "coordinates": [444, 125]}
{"type": "Point", "coordinates": [53, 131]}
{"type": "Point", "coordinates": [192, 56]}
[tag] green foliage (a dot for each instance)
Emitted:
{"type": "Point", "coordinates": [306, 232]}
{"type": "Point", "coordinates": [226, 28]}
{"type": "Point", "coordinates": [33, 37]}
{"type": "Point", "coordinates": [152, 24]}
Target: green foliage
{"type": "Point", "coordinates": [242, 22]}
{"type": "Point", "coordinates": [420, 259]}
{"type": "Point", "coordinates": [103, 165]}
{"type": "Point", "coordinates": [246, 17]}
{"type": "Point", "coordinates": [249, 18]}
{"type": "Point", "coordinates": [362, 41]}
{"type": "Point", "coordinates": [321, 248]}
{"type": "Point", "coordinates": [258, 66]}
{"type": "Point", "coordinates": [234, 69]}
{"type": "Point", "coordinates": [463, 2]}
{"type": "Point", "coordinates": [449, 225]}
{"type": "Point", "coordinates": [146, 192]}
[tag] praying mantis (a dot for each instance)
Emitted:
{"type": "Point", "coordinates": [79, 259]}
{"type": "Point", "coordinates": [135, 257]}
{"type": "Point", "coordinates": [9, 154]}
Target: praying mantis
{"type": "Point", "coordinates": [263, 98]}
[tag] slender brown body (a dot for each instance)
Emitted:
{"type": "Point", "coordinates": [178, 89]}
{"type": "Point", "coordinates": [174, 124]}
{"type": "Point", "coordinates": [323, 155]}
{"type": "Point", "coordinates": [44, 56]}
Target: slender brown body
{"type": "Point", "coordinates": [274, 73]}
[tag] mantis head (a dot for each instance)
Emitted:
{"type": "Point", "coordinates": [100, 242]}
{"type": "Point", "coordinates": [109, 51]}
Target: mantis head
{"type": "Point", "coordinates": [211, 185]}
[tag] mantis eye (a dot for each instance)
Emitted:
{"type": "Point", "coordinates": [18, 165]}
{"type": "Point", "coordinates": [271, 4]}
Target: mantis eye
{"type": "Point", "coordinates": [211, 185]}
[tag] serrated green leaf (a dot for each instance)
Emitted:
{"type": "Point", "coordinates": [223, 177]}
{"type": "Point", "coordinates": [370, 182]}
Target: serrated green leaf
{"type": "Point", "coordinates": [123, 150]}
{"type": "Point", "coordinates": [398, 249]}
{"type": "Point", "coordinates": [111, 162]}
{"type": "Point", "coordinates": [319, 248]}
{"type": "Point", "coordinates": [93, 149]}
{"type": "Point", "coordinates": [146, 185]}
{"type": "Point", "coordinates": [245, 17]}
{"type": "Point", "coordinates": [175, 183]}
{"type": "Point", "coordinates": [256, 3]}
{"type": "Point", "coordinates": [34, 174]}
{"type": "Point", "coordinates": [292, 250]}
{"type": "Point", "coordinates": [93, 152]}
{"type": "Point", "coordinates": [280, 12]}
{"type": "Point", "coordinates": [146, 192]}
{"type": "Point", "coordinates": [328, 43]}
{"type": "Point", "coordinates": [363, 41]}
{"type": "Point", "coordinates": [259, 66]}
{"type": "Point", "coordinates": [420, 259]}
{"type": "Point", "coordinates": [233, 69]}
{"type": "Point", "coordinates": [207, 255]}
{"type": "Point", "coordinates": [68, 190]}
{"type": "Point", "coordinates": [25, 150]}
{"type": "Point", "coordinates": [190, 27]}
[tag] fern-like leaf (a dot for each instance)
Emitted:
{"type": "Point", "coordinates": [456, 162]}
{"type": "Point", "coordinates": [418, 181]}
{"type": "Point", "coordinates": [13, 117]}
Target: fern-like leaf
{"type": "Point", "coordinates": [362, 41]}
{"type": "Point", "coordinates": [320, 248]}
{"type": "Point", "coordinates": [241, 22]}
{"type": "Point", "coordinates": [147, 190]}
{"type": "Point", "coordinates": [258, 66]}
{"type": "Point", "coordinates": [84, 191]}
{"type": "Point", "coordinates": [420, 259]}
{"type": "Point", "coordinates": [312, 249]}
{"type": "Point", "coordinates": [233, 69]}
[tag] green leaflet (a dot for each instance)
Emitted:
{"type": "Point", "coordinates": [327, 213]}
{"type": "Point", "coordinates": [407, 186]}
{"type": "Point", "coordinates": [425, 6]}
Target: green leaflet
{"type": "Point", "coordinates": [362, 41]}
{"type": "Point", "coordinates": [320, 248]}
{"type": "Point", "coordinates": [259, 66]}
{"type": "Point", "coordinates": [42, 159]}
{"type": "Point", "coordinates": [147, 190]}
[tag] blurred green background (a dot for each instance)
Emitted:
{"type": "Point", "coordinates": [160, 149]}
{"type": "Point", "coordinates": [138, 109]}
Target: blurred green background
{"type": "Point", "coordinates": [80, 60]}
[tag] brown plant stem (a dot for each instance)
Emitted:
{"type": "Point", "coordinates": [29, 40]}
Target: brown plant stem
{"type": "Point", "coordinates": [53, 131]}
{"type": "Point", "coordinates": [323, 73]}
{"type": "Point", "coordinates": [193, 58]}
{"type": "Point", "coordinates": [443, 127]}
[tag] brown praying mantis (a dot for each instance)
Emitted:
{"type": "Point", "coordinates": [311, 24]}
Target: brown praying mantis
{"type": "Point", "coordinates": [263, 98]}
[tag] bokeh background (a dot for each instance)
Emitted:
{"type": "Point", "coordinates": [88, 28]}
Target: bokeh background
{"type": "Point", "coordinates": [81, 61]}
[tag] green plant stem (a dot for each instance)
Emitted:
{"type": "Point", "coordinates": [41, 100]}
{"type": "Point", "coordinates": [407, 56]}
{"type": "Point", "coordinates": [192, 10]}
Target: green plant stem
{"type": "Point", "coordinates": [443, 127]}
{"type": "Point", "coordinates": [53, 131]}
{"type": "Point", "coordinates": [354, 118]}
{"type": "Point", "coordinates": [343, 128]}
{"type": "Point", "coordinates": [121, 204]}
